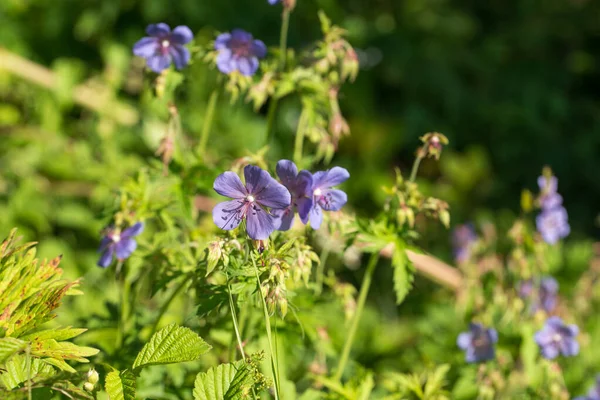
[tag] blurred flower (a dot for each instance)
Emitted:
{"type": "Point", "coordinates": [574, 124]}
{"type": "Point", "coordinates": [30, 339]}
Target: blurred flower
{"type": "Point", "coordinates": [238, 51]}
{"type": "Point", "coordinates": [463, 237]}
{"type": "Point", "coordinates": [548, 184]}
{"type": "Point", "coordinates": [161, 46]}
{"type": "Point", "coordinates": [299, 185]}
{"type": "Point", "coordinates": [119, 244]}
{"type": "Point", "coordinates": [250, 200]}
{"type": "Point", "coordinates": [433, 143]}
{"type": "Point", "coordinates": [546, 294]}
{"type": "Point", "coordinates": [553, 224]}
{"type": "Point", "coordinates": [557, 338]}
{"type": "Point", "coordinates": [272, 2]}
{"type": "Point", "coordinates": [478, 343]}
{"type": "Point", "coordinates": [593, 393]}
{"type": "Point", "coordinates": [325, 198]}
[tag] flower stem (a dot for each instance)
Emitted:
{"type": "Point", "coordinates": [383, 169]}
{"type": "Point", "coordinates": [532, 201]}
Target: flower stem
{"type": "Point", "coordinates": [268, 330]}
{"type": "Point", "coordinates": [362, 297]}
{"type": "Point", "coordinates": [208, 118]}
{"type": "Point", "coordinates": [299, 142]}
{"type": "Point", "coordinates": [285, 25]}
{"type": "Point", "coordinates": [124, 304]}
{"type": "Point", "coordinates": [321, 268]}
{"type": "Point", "coordinates": [415, 167]}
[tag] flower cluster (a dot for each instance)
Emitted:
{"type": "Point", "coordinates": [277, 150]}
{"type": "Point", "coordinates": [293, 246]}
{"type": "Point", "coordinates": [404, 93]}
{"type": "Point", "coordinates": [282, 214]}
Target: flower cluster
{"type": "Point", "coordinates": [478, 343]}
{"type": "Point", "coordinates": [163, 46]}
{"type": "Point", "coordinates": [542, 296]}
{"type": "Point", "coordinates": [119, 244]}
{"type": "Point", "coordinates": [239, 51]}
{"type": "Point", "coordinates": [267, 205]}
{"type": "Point", "coordinates": [552, 223]}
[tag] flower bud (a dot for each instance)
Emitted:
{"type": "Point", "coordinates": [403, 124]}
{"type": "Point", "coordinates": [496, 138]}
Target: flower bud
{"type": "Point", "coordinates": [92, 376]}
{"type": "Point", "coordinates": [88, 387]}
{"type": "Point", "coordinates": [433, 143]}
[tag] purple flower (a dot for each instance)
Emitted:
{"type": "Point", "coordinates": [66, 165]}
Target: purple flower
{"type": "Point", "coordinates": [272, 2]}
{"type": "Point", "coordinates": [545, 297]}
{"type": "Point", "coordinates": [463, 238]}
{"type": "Point", "coordinates": [238, 51]}
{"type": "Point", "coordinates": [478, 343]}
{"type": "Point", "coordinates": [249, 201]}
{"type": "Point", "coordinates": [553, 224]}
{"type": "Point", "coordinates": [548, 185]}
{"type": "Point", "coordinates": [325, 198]}
{"type": "Point", "coordinates": [119, 244]}
{"type": "Point", "coordinates": [161, 46]}
{"type": "Point", "coordinates": [593, 393]}
{"type": "Point", "coordinates": [299, 185]}
{"type": "Point", "coordinates": [557, 338]}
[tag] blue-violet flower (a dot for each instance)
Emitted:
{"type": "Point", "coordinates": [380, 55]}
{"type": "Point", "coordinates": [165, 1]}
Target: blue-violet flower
{"type": "Point", "coordinates": [553, 222]}
{"type": "Point", "coordinates": [163, 46]}
{"type": "Point", "coordinates": [463, 238]}
{"type": "Point", "coordinates": [239, 51]}
{"type": "Point", "coordinates": [557, 338]}
{"type": "Point", "coordinates": [299, 185]}
{"type": "Point", "coordinates": [249, 201]}
{"type": "Point", "coordinates": [119, 244]}
{"type": "Point", "coordinates": [544, 297]}
{"type": "Point", "coordinates": [593, 393]}
{"type": "Point", "coordinates": [325, 198]}
{"type": "Point", "coordinates": [478, 343]}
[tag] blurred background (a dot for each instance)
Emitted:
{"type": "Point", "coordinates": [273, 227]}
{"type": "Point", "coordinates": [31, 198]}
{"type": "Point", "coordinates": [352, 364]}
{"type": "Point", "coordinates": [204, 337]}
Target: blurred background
{"type": "Point", "coordinates": [513, 85]}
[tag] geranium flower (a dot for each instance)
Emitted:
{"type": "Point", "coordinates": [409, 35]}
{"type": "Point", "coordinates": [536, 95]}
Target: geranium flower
{"type": "Point", "coordinates": [478, 343]}
{"type": "Point", "coordinates": [325, 198]}
{"type": "Point", "coordinates": [546, 294]}
{"type": "Point", "coordinates": [119, 244]}
{"type": "Point", "coordinates": [553, 224]}
{"type": "Point", "coordinates": [161, 46]}
{"type": "Point", "coordinates": [299, 185]}
{"type": "Point", "coordinates": [239, 51]}
{"type": "Point", "coordinates": [250, 200]}
{"type": "Point", "coordinates": [557, 338]}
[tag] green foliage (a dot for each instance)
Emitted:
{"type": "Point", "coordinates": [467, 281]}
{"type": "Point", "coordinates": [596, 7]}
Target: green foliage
{"type": "Point", "coordinates": [428, 385]}
{"type": "Point", "coordinates": [172, 344]}
{"type": "Point", "coordinates": [224, 382]}
{"type": "Point", "coordinates": [120, 385]}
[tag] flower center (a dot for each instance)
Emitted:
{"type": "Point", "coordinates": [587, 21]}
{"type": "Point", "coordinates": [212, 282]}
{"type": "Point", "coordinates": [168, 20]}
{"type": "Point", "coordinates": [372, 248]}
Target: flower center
{"type": "Point", "coordinates": [116, 238]}
{"type": "Point", "coordinates": [250, 198]}
{"type": "Point", "coordinates": [240, 48]}
{"type": "Point", "coordinates": [557, 338]}
{"type": "Point", "coordinates": [318, 192]}
{"type": "Point", "coordinates": [165, 43]}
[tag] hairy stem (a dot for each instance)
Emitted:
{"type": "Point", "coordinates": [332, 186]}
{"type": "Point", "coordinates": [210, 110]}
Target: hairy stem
{"type": "Point", "coordinates": [415, 167]}
{"type": "Point", "coordinates": [362, 297]}
{"type": "Point", "coordinates": [268, 330]}
{"type": "Point", "coordinates": [208, 118]}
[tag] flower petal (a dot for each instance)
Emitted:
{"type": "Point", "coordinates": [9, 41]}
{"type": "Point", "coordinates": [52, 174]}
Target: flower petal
{"type": "Point", "coordinates": [106, 258]}
{"type": "Point", "coordinates": [158, 63]}
{"type": "Point", "coordinates": [229, 184]}
{"type": "Point", "coordinates": [550, 351]}
{"type": "Point", "coordinates": [304, 204]}
{"type": "Point", "coordinates": [133, 230]}
{"type": "Point", "coordinates": [227, 215]}
{"type": "Point", "coordinates": [286, 171]}
{"type": "Point", "coordinates": [330, 178]}
{"type": "Point", "coordinates": [315, 216]}
{"type": "Point", "coordinates": [463, 340]}
{"type": "Point", "coordinates": [222, 41]}
{"type": "Point", "coordinates": [569, 347]}
{"type": "Point", "coordinates": [303, 185]}
{"type": "Point", "coordinates": [104, 243]}
{"type": "Point", "coordinates": [225, 62]}
{"type": "Point", "coordinates": [241, 35]}
{"type": "Point", "coordinates": [332, 199]}
{"type": "Point", "coordinates": [181, 55]}
{"type": "Point", "coordinates": [259, 49]}
{"type": "Point", "coordinates": [125, 247]}
{"type": "Point", "coordinates": [285, 218]}
{"type": "Point", "coordinates": [146, 47]}
{"type": "Point", "coordinates": [259, 223]}
{"type": "Point", "coordinates": [247, 65]}
{"type": "Point", "coordinates": [182, 35]}
{"type": "Point", "coordinates": [158, 30]}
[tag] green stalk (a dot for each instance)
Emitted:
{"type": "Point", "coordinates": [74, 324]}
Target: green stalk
{"type": "Point", "coordinates": [321, 269]}
{"type": "Point", "coordinates": [124, 299]}
{"type": "Point", "coordinates": [285, 25]}
{"type": "Point", "coordinates": [362, 297]}
{"type": "Point", "coordinates": [415, 168]}
{"type": "Point", "coordinates": [208, 118]}
{"type": "Point", "coordinates": [299, 142]}
{"type": "Point", "coordinates": [268, 330]}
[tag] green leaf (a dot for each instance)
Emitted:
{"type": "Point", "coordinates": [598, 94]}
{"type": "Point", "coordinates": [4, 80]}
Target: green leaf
{"type": "Point", "coordinates": [224, 382]}
{"type": "Point", "coordinates": [120, 385]}
{"type": "Point", "coordinates": [172, 344]}
{"type": "Point", "coordinates": [10, 346]}
{"type": "Point", "coordinates": [403, 271]}
{"type": "Point", "coordinates": [21, 368]}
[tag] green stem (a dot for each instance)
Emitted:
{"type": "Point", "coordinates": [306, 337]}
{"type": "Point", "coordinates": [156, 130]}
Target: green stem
{"type": "Point", "coordinates": [268, 329]}
{"type": "Point", "coordinates": [285, 25]}
{"type": "Point", "coordinates": [165, 306]}
{"type": "Point", "coordinates": [415, 168]}
{"type": "Point", "coordinates": [362, 297]}
{"type": "Point", "coordinates": [124, 298]}
{"type": "Point", "coordinates": [208, 118]}
{"type": "Point", "coordinates": [299, 142]}
{"type": "Point", "coordinates": [321, 269]}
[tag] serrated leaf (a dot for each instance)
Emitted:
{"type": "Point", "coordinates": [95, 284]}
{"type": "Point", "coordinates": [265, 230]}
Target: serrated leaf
{"type": "Point", "coordinates": [56, 334]}
{"type": "Point", "coordinates": [403, 271]}
{"type": "Point", "coordinates": [224, 382]}
{"type": "Point", "coordinates": [120, 385]}
{"type": "Point", "coordinates": [21, 368]}
{"type": "Point", "coordinates": [10, 346]}
{"type": "Point", "coordinates": [172, 344]}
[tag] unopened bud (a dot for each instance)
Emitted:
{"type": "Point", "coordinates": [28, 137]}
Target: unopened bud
{"type": "Point", "coordinates": [92, 376]}
{"type": "Point", "coordinates": [88, 387]}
